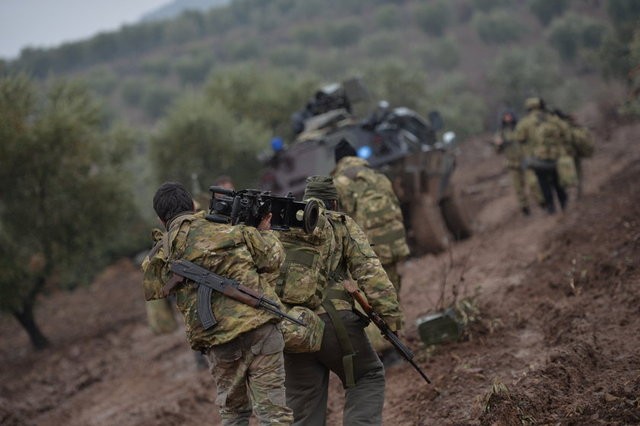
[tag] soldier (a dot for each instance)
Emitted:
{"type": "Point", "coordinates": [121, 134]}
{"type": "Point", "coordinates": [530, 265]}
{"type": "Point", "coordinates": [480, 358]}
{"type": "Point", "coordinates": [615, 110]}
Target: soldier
{"type": "Point", "coordinates": [244, 348]}
{"type": "Point", "coordinates": [345, 349]}
{"type": "Point", "coordinates": [582, 144]}
{"type": "Point", "coordinates": [368, 197]}
{"type": "Point", "coordinates": [514, 153]}
{"type": "Point", "coordinates": [547, 138]}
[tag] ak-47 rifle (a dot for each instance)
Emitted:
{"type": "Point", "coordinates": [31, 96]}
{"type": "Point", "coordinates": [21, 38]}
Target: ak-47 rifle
{"type": "Point", "coordinates": [208, 282]}
{"type": "Point", "coordinates": [385, 330]}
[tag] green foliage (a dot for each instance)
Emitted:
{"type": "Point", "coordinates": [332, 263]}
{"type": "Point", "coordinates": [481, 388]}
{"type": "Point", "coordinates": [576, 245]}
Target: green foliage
{"type": "Point", "coordinates": [615, 52]}
{"type": "Point", "coordinates": [397, 83]}
{"type": "Point", "coordinates": [433, 17]}
{"type": "Point", "coordinates": [205, 137]}
{"type": "Point", "coordinates": [546, 10]}
{"type": "Point", "coordinates": [103, 80]}
{"type": "Point", "coordinates": [292, 56]}
{"type": "Point", "coordinates": [625, 15]}
{"type": "Point", "coordinates": [489, 5]}
{"type": "Point", "coordinates": [387, 17]}
{"type": "Point", "coordinates": [570, 33]}
{"type": "Point", "coordinates": [266, 97]}
{"type": "Point", "coordinates": [58, 166]}
{"type": "Point", "coordinates": [308, 34]}
{"type": "Point", "coordinates": [497, 27]}
{"type": "Point", "coordinates": [156, 66]}
{"type": "Point", "coordinates": [244, 49]}
{"type": "Point", "coordinates": [157, 98]}
{"type": "Point", "coordinates": [518, 74]}
{"type": "Point", "coordinates": [443, 54]}
{"type": "Point", "coordinates": [382, 44]}
{"type": "Point", "coordinates": [462, 110]}
{"type": "Point", "coordinates": [343, 33]}
{"type": "Point", "coordinates": [194, 68]}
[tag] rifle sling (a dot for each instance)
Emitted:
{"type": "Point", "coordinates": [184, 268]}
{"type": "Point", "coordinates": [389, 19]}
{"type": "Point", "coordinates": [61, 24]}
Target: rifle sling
{"type": "Point", "coordinates": [345, 343]}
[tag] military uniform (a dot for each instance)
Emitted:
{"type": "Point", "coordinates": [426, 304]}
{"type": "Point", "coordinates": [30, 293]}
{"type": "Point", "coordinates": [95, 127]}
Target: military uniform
{"type": "Point", "coordinates": [514, 153]}
{"type": "Point", "coordinates": [245, 348]}
{"type": "Point", "coordinates": [368, 197]}
{"type": "Point", "coordinates": [345, 349]}
{"type": "Point", "coordinates": [548, 139]}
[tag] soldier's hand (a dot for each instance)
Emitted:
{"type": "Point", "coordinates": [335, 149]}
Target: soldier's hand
{"type": "Point", "coordinates": [265, 223]}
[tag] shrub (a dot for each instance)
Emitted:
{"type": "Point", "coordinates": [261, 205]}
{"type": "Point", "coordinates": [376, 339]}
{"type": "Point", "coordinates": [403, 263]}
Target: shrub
{"type": "Point", "coordinates": [572, 32]}
{"type": "Point", "coordinates": [289, 56]}
{"type": "Point", "coordinates": [433, 17]}
{"type": "Point", "coordinates": [193, 68]}
{"type": "Point", "coordinates": [387, 17]}
{"type": "Point", "coordinates": [442, 54]}
{"type": "Point", "coordinates": [497, 27]}
{"type": "Point", "coordinates": [489, 5]}
{"type": "Point", "coordinates": [518, 74]}
{"type": "Point", "coordinates": [546, 10]}
{"type": "Point", "coordinates": [343, 34]}
{"type": "Point", "coordinates": [383, 44]}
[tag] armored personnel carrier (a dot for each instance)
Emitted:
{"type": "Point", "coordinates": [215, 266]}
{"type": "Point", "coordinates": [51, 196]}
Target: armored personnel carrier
{"type": "Point", "coordinates": [397, 141]}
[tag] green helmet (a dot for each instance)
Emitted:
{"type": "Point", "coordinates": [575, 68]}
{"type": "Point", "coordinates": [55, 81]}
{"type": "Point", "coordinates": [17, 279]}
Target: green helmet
{"type": "Point", "coordinates": [534, 103]}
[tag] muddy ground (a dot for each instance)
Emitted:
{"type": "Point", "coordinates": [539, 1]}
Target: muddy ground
{"type": "Point", "coordinates": [555, 339]}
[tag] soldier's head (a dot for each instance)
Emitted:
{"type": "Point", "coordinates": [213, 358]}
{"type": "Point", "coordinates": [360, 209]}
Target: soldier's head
{"type": "Point", "coordinates": [323, 189]}
{"type": "Point", "coordinates": [171, 199]}
{"type": "Point", "coordinates": [344, 149]}
{"type": "Point", "coordinates": [533, 104]}
{"type": "Point", "coordinates": [508, 117]}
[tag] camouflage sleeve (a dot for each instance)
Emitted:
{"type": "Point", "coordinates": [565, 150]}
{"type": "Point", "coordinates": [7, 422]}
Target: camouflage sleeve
{"type": "Point", "coordinates": [265, 248]}
{"type": "Point", "coordinates": [521, 131]}
{"type": "Point", "coordinates": [155, 274]}
{"type": "Point", "coordinates": [153, 278]}
{"type": "Point", "coordinates": [365, 268]}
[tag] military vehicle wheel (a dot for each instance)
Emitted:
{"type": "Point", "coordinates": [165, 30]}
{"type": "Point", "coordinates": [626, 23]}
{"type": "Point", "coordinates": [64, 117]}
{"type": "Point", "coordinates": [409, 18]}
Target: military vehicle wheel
{"type": "Point", "coordinates": [456, 216]}
{"type": "Point", "coordinates": [429, 231]}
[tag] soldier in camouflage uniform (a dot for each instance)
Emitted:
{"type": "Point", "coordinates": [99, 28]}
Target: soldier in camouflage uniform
{"type": "Point", "coordinates": [548, 139]}
{"type": "Point", "coordinates": [514, 153]}
{"type": "Point", "coordinates": [368, 197]}
{"type": "Point", "coordinates": [245, 348]}
{"type": "Point", "coordinates": [345, 349]}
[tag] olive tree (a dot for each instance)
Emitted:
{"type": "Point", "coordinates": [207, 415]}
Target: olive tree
{"type": "Point", "coordinates": [61, 199]}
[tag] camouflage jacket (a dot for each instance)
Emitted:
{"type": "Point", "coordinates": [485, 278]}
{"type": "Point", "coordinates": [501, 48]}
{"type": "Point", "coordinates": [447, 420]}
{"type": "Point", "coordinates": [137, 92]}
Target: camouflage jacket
{"type": "Point", "coordinates": [243, 253]}
{"type": "Point", "coordinates": [368, 197]}
{"type": "Point", "coordinates": [304, 275]}
{"type": "Point", "coordinates": [353, 258]}
{"type": "Point", "coordinates": [546, 136]}
{"type": "Point", "coordinates": [513, 149]}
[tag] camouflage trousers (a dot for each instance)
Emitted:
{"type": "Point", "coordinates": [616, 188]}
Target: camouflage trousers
{"type": "Point", "coordinates": [249, 374]}
{"type": "Point", "coordinates": [519, 181]}
{"type": "Point", "coordinates": [308, 378]}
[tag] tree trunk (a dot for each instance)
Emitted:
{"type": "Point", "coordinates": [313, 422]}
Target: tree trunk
{"type": "Point", "coordinates": [26, 319]}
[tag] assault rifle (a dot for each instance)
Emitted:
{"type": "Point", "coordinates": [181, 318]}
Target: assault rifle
{"type": "Point", "coordinates": [250, 206]}
{"type": "Point", "coordinates": [385, 330]}
{"type": "Point", "coordinates": [208, 282]}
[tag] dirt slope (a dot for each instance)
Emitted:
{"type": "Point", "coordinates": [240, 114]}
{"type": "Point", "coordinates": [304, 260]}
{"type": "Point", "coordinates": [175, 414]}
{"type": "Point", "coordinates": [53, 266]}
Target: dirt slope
{"type": "Point", "coordinates": [557, 340]}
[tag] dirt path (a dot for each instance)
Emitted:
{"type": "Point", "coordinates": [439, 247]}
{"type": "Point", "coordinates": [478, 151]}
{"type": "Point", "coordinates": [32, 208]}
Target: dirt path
{"type": "Point", "coordinates": [556, 343]}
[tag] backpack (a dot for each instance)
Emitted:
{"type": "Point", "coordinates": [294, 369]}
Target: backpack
{"type": "Point", "coordinates": [377, 211]}
{"type": "Point", "coordinates": [548, 139]}
{"type": "Point", "coordinates": [303, 276]}
{"type": "Point", "coordinates": [583, 142]}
